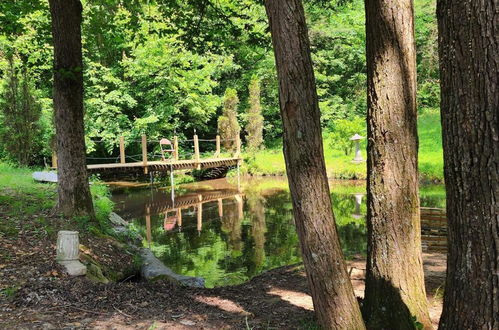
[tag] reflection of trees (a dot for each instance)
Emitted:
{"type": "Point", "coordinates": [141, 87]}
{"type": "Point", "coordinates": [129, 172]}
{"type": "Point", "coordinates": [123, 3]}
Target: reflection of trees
{"type": "Point", "coordinates": [231, 225]}
{"type": "Point", "coordinates": [352, 230]}
{"type": "Point", "coordinates": [256, 208]}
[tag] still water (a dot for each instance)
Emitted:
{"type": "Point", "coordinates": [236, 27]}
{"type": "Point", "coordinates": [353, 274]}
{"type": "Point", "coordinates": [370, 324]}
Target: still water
{"type": "Point", "coordinates": [228, 231]}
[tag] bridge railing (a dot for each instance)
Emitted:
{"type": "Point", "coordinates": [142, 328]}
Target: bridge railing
{"type": "Point", "coordinates": [188, 149]}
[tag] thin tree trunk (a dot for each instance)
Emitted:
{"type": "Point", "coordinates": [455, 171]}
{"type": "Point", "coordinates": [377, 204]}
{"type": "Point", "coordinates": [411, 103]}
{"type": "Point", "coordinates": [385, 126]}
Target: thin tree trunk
{"type": "Point", "coordinates": [469, 69]}
{"type": "Point", "coordinates": [334, 301]}
{"type": "Point", "coordinates": [395, 291]}
{"type": "Point", "coordinates": [73, 190]}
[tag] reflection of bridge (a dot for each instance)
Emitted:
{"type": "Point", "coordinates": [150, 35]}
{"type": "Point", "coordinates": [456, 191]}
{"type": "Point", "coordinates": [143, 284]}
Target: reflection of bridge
{"type": "Point", "coordinates": [161, 202]}
{"type": "Point", "coordinates": [143, 162]}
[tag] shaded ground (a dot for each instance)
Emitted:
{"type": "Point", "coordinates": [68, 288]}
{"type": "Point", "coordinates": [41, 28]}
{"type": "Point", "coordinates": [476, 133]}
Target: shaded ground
{"type": "Point", "coordinates": [35, 293]}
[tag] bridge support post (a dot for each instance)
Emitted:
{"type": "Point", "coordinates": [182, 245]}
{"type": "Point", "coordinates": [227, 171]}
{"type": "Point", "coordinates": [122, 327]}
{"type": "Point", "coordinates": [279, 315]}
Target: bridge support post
{"type": "Point", "coordinates": [175, 147]}
{"type": "Point", "coordinates": [122, 150]}
{"type": "Point", "coordinates": [196, 151]}
{"type": "Point", "coordinates": [54, 159]}
{"type": "Point", "coordinates": [217, 153]}
{"type": "Point", "coordinates": [144, 153]}
{"type": "Point", "coordinates": [238, 146]}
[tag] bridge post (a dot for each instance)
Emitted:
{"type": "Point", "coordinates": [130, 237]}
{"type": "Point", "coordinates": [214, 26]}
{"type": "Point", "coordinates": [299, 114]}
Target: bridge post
{"type": "Point", "coordinates": [54, 159]}
{"type": "Point", "coordinates": [144, 153]}
{"type": "Point", "coordinates": [217, 153]}
{"type": "Point", "coordinates": [175, 147]}
{"type": "Point", "coordinates": [196, 150]}
{"type": "Point", "coordinates": [122, 150]}
{"type": "Point", "coordinates": [238, 146]}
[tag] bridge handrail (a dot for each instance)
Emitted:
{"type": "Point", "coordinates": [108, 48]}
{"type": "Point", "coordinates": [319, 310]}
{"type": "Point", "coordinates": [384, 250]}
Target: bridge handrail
{"type": "Point", "coordinates": [145, 155]}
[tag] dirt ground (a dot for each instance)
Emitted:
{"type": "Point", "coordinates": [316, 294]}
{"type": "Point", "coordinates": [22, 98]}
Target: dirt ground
{"type": "Point", "coordinates": [278, 299]}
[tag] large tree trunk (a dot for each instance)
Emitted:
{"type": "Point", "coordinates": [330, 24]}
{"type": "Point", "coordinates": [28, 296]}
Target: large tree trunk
{"type": "Point", "coordinates": [395, 289]}
{"type": "Point", "coordinates": [332, 292]}
{"type": "Point", "coordinates": [469, 68]}
{"type": "Point", "coordinates": [74, 194]}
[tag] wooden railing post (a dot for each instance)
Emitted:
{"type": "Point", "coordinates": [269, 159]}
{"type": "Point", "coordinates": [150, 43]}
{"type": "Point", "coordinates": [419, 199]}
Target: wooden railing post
{"type": "Point", "coordinates": [122, 150]}
{"type": "Point", "coordinates": [217, 153]}
{"type": "Point", "coordinates": [238, 146]}
{"type": "Point", "coordinates": [54, 159]}
{"type": "Point", "coordinates": [144, 153]}
{"type": "Point", "coordinates": [175, 147]}
{"type": "Point", "coordinates": [196, 148]}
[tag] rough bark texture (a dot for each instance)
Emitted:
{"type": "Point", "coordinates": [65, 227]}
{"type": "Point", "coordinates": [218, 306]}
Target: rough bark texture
{"type": "Point", "coordinates": [395, 292]}
{"type": "Point", "coordinates": [469, 67]}
{"type": "Point", "coordinates": [332, 293]}
{"type": "Point", "coordinates": [73, 190]}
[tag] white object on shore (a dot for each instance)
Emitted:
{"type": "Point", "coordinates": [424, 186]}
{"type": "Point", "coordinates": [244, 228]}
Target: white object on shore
{"type": "Point", "coordinates": [68, 251]}
{"type": "Point", "coordinates": [45, 176]}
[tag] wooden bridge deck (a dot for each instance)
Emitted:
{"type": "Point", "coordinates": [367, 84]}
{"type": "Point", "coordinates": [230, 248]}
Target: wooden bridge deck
{"type": "Point", "coordinates": [165, 166]}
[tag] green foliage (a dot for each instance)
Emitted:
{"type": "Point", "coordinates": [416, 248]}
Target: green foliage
{"type": "Point", "coordinates": [343, 130]}
{"type": "Point", "coordinates": [254, 127]}
{"type": "Point", "coordinates": [162, 67]}
{"type": "Point", "coordinates": [228, 126]}
{"type": "Point", "coordinates": [20, 112]}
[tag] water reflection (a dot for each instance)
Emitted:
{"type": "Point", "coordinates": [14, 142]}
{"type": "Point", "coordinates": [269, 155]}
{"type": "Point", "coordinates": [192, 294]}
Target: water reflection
{"type": "Point", "coordinates": [228, 233]}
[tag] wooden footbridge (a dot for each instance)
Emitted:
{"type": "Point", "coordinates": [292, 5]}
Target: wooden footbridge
{"type": "Point", "coordinates": [170, 163]}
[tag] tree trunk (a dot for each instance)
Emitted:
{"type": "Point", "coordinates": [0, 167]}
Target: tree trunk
{"type": "Point", "coordinates": [73, 190]}
{"type": "Point", "coordinates": [395, 291]}
{"type": "Point", "coordinates": [334, 301]}
{"type": "Point", "coordinates": [469, 66]}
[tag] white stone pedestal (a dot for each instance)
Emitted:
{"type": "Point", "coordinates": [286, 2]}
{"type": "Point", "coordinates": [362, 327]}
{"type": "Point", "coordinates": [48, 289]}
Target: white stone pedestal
{"type": "Point", "coordinates": [68, 252]}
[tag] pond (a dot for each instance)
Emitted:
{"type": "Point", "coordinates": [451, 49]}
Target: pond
{"type": "Point", "coordinates": [228, 231]}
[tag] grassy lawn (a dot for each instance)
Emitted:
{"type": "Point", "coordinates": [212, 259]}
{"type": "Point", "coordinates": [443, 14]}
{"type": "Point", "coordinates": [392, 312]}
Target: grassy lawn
{"type": "Point", "coordinates": [340, 166]}
{"type": "Point", "coordinates": [22, 199]}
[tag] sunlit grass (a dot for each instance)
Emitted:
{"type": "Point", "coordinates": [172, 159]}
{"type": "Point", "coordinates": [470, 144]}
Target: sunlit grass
{"type": "Point", "coordinates": [340, 166]}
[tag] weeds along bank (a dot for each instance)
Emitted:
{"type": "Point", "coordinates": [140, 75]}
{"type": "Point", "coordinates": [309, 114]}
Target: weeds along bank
{"type": "Point", "coordinates": [338, 155]}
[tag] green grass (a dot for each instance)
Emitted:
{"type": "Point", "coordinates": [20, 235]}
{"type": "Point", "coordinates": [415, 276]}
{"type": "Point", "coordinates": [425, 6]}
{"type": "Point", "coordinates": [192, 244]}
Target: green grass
{"type": "Point", "coordinates": [340, 166]}
{"type": "Point", "coordinates": [24, 197]}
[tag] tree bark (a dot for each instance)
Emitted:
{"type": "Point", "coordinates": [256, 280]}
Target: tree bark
{"type": "Point", "coordinates": [73, 191]}
{"type": "Point", "coordinates": [395, 291]}
{"type": "Point", "coordinates": [469, 66]}
{"type": "Point", "coordinates": [334, 301]}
